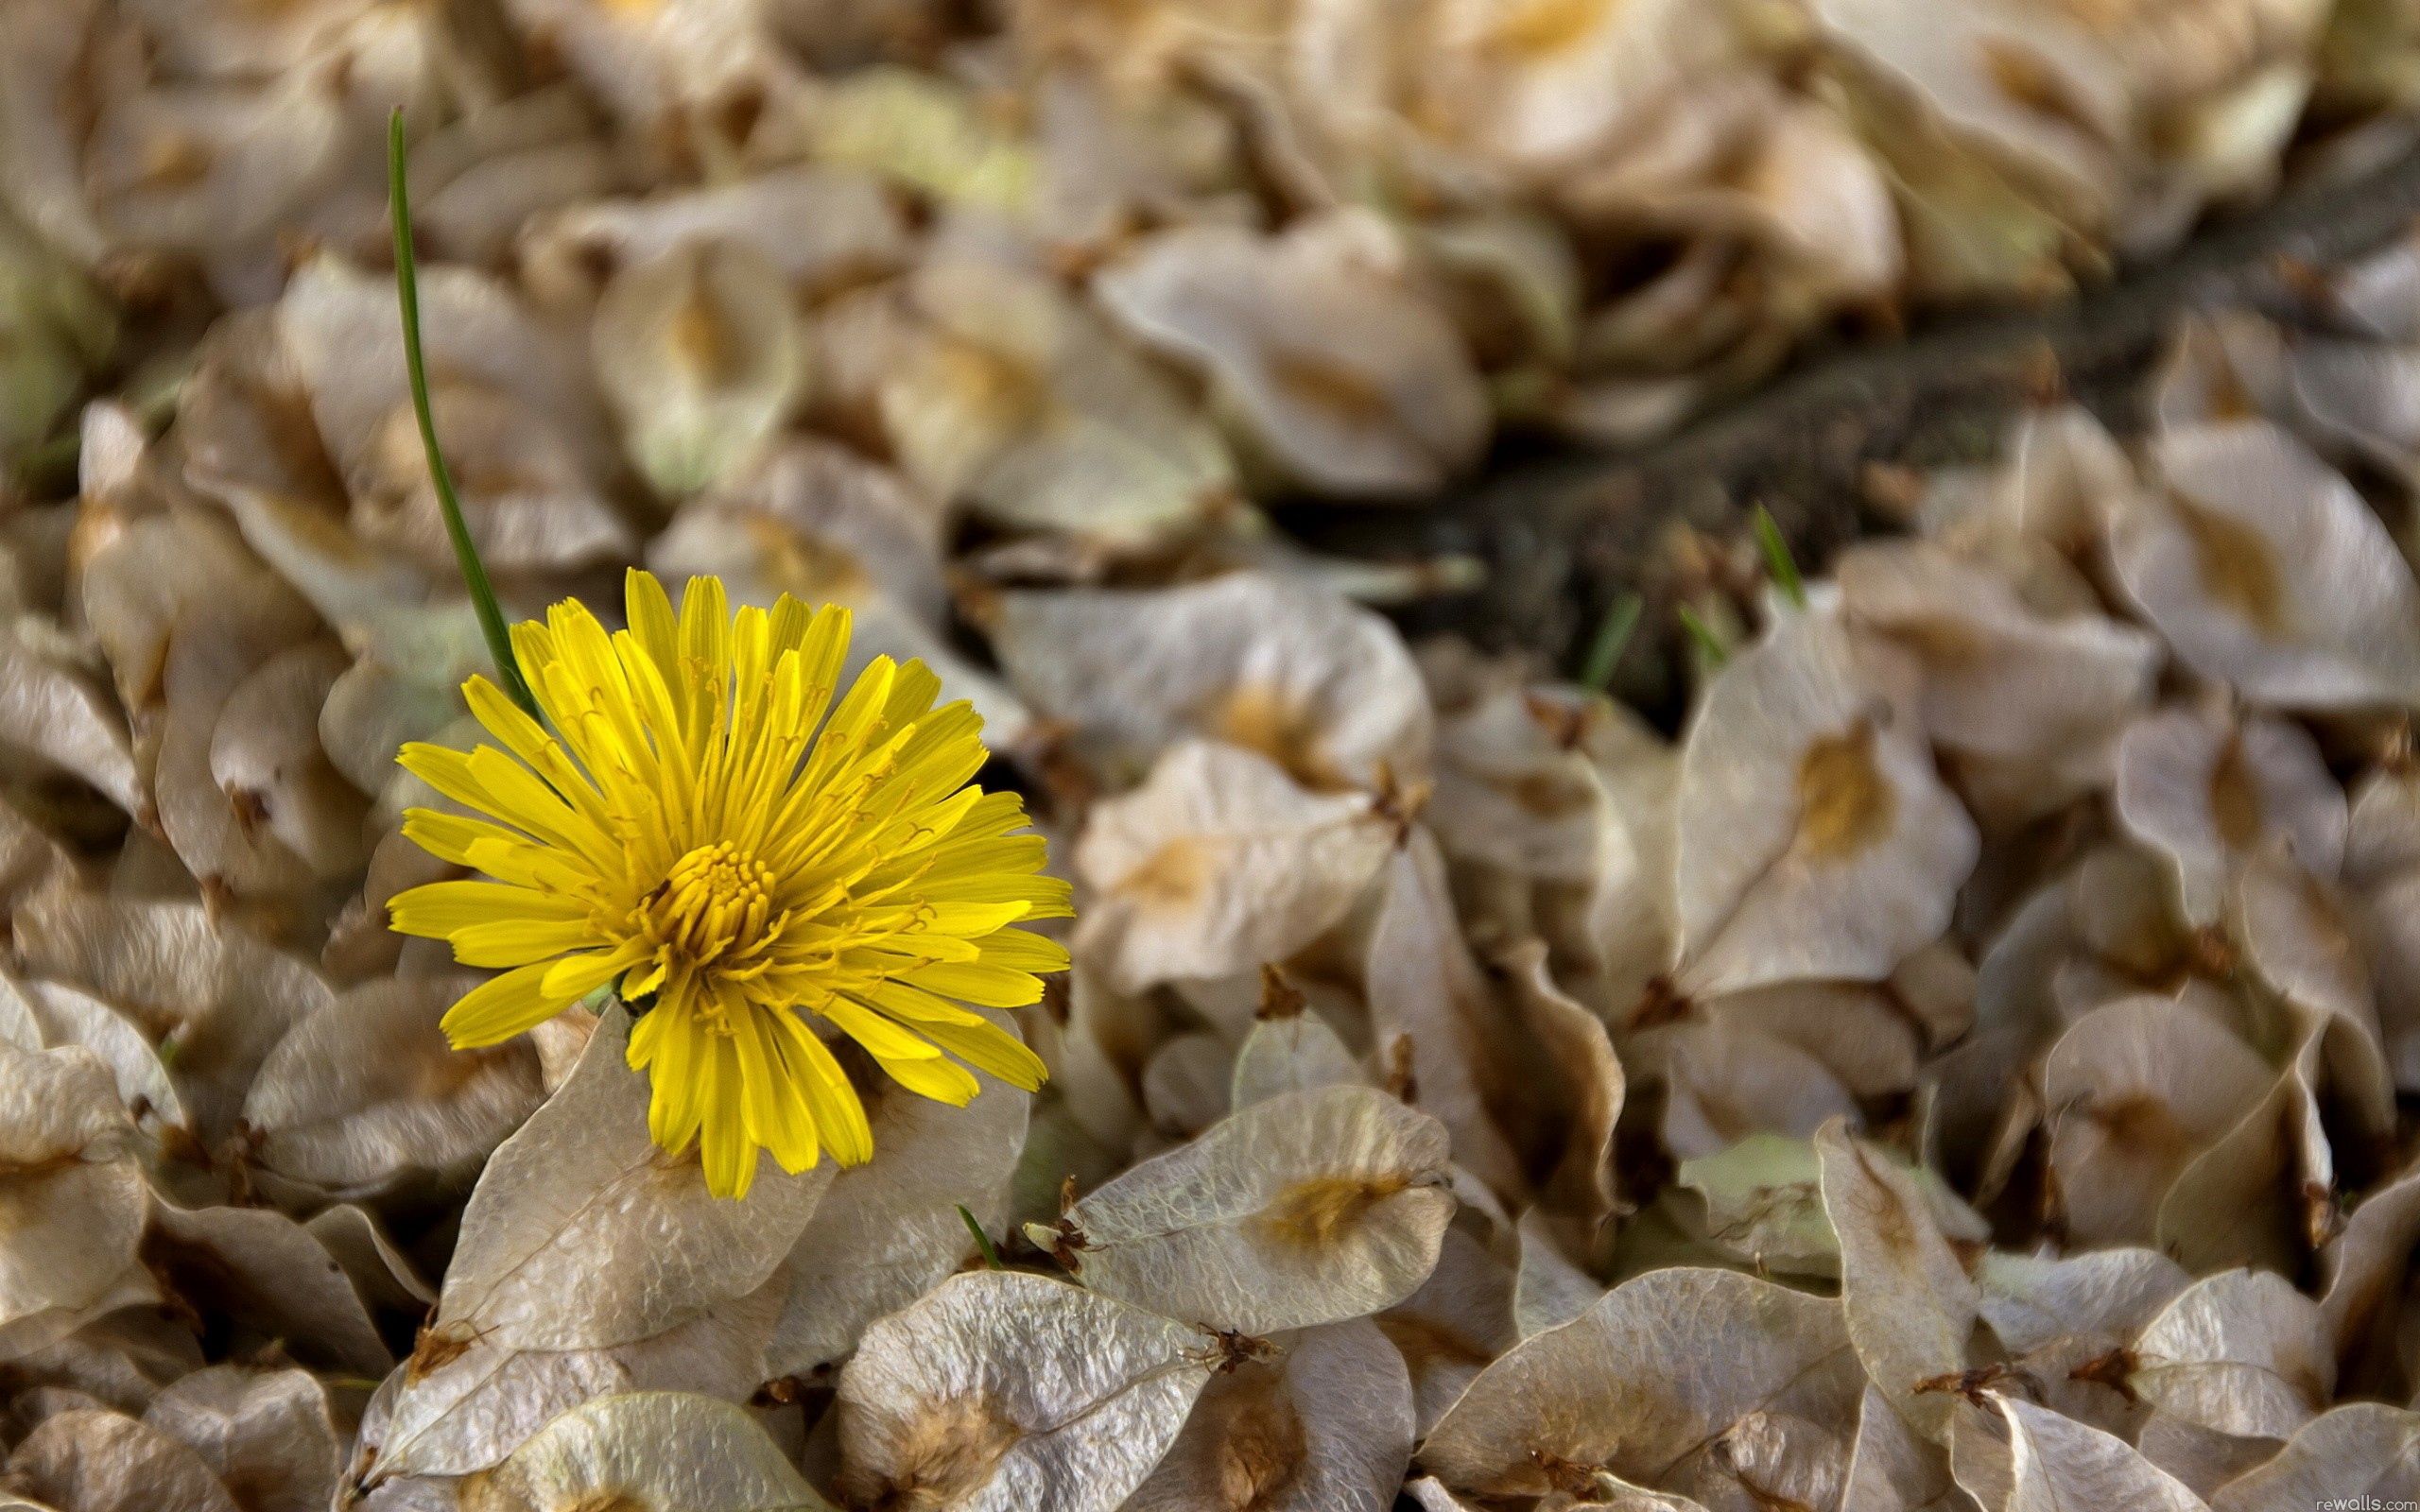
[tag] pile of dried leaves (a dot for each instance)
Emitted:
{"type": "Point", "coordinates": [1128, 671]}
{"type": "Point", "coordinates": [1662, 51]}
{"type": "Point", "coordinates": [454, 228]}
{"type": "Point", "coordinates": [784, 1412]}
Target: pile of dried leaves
{"type": "Point", "coordinates": [1361, 236]}
{"type": "Point", "coordinates": [1971, 1065]}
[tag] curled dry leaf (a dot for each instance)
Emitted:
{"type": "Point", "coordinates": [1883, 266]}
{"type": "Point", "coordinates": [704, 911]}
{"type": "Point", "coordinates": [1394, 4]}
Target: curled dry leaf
{"type": "Point", "coordinates": [645, 1452]}
{"type": "Point", "coordinates": [1276, 664]}
{"type": "Point", "coordinates": [267, 1279]}
{"type": "Point", "coordinates": [1429, 1004]}
{"type": "Point", "coordinates": [700, 354]}
{"type": "Point", "coordinates": [2027, 706]}
{"type": "Point", "coordinates": [1217, 864]}
{"type": "Point", "coordinates": [1893, 1469]}
{"type": "Point", "coordinates": [52, 709]}
{"type": "Point", "coordinates": [1655, 1383]}
{"type": "Point", "coordinates": [1815, 839]}
{"type": "Point", "coordinates": [1002, 391]}
{"type": "Point", "coordinates": [1306, 1209]}
{"type": "Point", "coordinates": [2110, 1294]}
{"type": "Point", "coordinates": [525, 437]}
{"type": "Point", "coordinates": [94, 1460]}
{"type": "Point", "coordinates": [1549, 1290]}
{"type": "Point", "coordinates": [1910, 1305]}
{"type": "Point", "coordinates": [1294, 1053]}
{"type": "Point", "coordinates": [1005, 1391]}
{"type": "Point", "coordinates": [2264, 569]}
{"type": "Point", "coordinates": [2241, 1353]}
{"type": "Point", "coordinates": [2136, 1090]}
{"type": "Point", "coordinates": [460, 1406]}
{"type": "Point", "coordinates": [1462, 1316]}
{"type": "Point", "coordinates": [818, 225]}
{"type": "Point", "coordinates": [365, 1092]}
{"type": "Point", "coordinates": [2362, 1449]}
{"type": "Point", "coordinates": [75, 1195]}
{"type": "Point", "coordinates": [1326, 1426]}
{"type": "Point", "coordinates": [2207, 792]}
{"type": "Point", "coordinates": [1722, 1084]}
{"type": "Point", "coordinates": [2059, 1463]}
{"type": "Point", "coordinates": [266, 1435]}
{"type": "Point", "coordinates": [36, 1015]}
{"type": "Point", "coordinates": [219, 995]}
{"type": "Point", "coordinates": [1340, 374]}
{"type": "Point", "coordinates": [582, 1182]}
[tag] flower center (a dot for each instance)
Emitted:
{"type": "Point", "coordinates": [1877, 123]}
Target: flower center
{"type": "Point", "coordinates": [716, 904]}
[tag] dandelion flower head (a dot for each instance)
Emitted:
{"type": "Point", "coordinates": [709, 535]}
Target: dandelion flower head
{"type": "Point", "coordinates": [751, 857]}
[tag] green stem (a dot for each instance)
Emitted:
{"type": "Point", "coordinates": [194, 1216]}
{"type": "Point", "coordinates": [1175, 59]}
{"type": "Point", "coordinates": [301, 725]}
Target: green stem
{"type": "Point", "coordinates": [982, 1240]}
{"type": "Point", "coordinates": [466, 551]}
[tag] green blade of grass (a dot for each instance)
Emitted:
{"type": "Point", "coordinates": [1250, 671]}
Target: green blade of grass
{"type": "Point", "coordinates": [1613, 638]}
{"type": "Point", "coordinates": [1779, 564]}
{"type": "Point", "coordinates": [1709, 644]}
{"type": "Point", "coordinates": [466, 551]}
{"type": "Point", "coordinates": [982, 1240]}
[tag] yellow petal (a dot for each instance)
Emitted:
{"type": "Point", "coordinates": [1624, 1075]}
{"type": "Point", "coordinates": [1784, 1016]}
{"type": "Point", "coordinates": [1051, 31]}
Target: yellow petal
{"type": "Point", "coordinates": [519, 942]}
{"type": "Point", "coordinates": [500, 1007]}
{"type": "Point", "coordinates": [979, 983]}
{"type": "Point", "coordinates": [993, 1052]}
{"type": "Point", "coordinates": [438, 909]}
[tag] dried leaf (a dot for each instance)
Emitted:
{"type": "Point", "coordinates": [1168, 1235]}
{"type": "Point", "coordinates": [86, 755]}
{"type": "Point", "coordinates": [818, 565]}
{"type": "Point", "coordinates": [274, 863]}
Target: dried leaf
{"type": "Point", "coordinates": [1276, 664]}
{"type": "Point", "coordinates": [75, 1197]}
{"type": "Point", "coordinates": [1326, 1427]}
{"type": "Point", "coordinates": [2264, 569]}
{"type": "Point", "coordinates": [1910, 1305]}
{"type": "Point", "coordinates": [1003, 1392]}
{"type": "Point", "coordinates": [1815, 840]}
{"type": "Point", "coordinates": [2060, 1463]}
{"type": "Point", "coordinates": [1651, 1383]}
{"type": "Point", "coordinates": [645, 1452]}
{"type": "Point", "coordinates": [365, 1092]}
{"type": "Point", "coordinates": [1306, 1208]}
{"type": "Point", "coordinates": [1217, 865]}
{"type": "Point", "coordinates": [2241, 1353]}
{"type": "Point", "coordinates": [581, 1184]}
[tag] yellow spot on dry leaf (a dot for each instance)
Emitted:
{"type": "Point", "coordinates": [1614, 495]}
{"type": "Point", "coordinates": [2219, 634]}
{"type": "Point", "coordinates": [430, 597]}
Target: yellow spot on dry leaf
{"type": "Point", "coordinates": [1004, 394]}
{"type": "Point", "coordinates": [1940, 641]}
{"type": "Point", "coordinates": [1539, 30]}
{"type": "Point", "coordinates": [1171, 878]}
{"type": "Point", "coordinates": [1313, 1213]}
{"type": "Point", "coordinates": [1551, 794]}
{"type": "Point", "coordinates": [1259, 717]}
{"type": "Point", "coordinates": [1261, 1451]}
{"type": "Point", "coordinates": [2234, 797]}
{"type": "Point", "coordinates": [942, 1454]}
{"type": "Point", "coordinates": [803, 566]}
{"type": "Point", "coordinates": [702, 340]}
{"type": "Point", "coordinates": [1423, 1343]}
{"type": "Point", "coordinates": [2236, 564]}
{"type": "Point", "coordinates": [177, 160]}
{"type": "Point", "coordinates": [2145, 1125]}
{"type": "Point", "coordinates": [1319, 380]}
{"type": "Point", "coordinates": [2024, 76]}
{"type": "Point", "coordinates": [1843, 802]}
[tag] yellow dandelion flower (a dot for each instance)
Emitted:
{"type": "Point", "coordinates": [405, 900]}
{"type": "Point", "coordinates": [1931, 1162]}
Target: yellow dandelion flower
{"type": "Point", "coordinates": [699, 824]}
